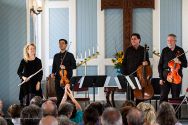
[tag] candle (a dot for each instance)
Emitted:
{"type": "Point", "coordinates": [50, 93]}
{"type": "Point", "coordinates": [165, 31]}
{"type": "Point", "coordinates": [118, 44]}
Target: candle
{"type": "Point", "coordinates": [85, 54]}
{"type": "Point", "coordinates": [81, 56]}
{"type": "Point", "coordinates": [89, 52]}
{"type": "Point", "coordinates": [97, 48]}
{"type": "Point", "coordinates": [93, 50]}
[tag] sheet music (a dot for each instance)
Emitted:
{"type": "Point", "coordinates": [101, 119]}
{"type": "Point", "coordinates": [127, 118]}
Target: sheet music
{"type": "Point", "coordinates": [107, 81]}
{"type": "Point", "coordinates": [130, 82]}
{"type": "Point", "coordinates": [117, 82]}
{"type": "Point", "coordinates": [81, 81]}
{"type": "Point", "coordinates": [138, 83]}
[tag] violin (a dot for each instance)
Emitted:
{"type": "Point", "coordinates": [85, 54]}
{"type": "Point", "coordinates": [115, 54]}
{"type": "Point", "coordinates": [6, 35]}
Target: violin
{"type": "Point", "coordinates": [144, 73]}
{"type": "Point", "coordinates": [64, 80]}
{"type": "Point", "coordinates": [173, 75]}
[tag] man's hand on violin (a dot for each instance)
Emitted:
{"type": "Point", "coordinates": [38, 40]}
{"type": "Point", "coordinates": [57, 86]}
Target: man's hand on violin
{"type": "Point", "coordinates": [145, 63]}
{"type": "Point", "coordinates": [176, 60]}
{"type": "Point", "coordinates": [52, 76]}
{"type": "Point", "coordinates": [62, 66]}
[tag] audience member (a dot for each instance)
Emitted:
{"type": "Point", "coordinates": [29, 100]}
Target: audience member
{"type": "Point", "coordinates": [14, 112]}
{"type": "Point", "coordinates": [166, 115]}
{"type": "Point", "coordinates": [63, 120]}
{"type": "Point", "coordinates": [66, 109]}
{"type": "Point", "coordinates": [36, 100]}
{"type": "Point", "coordinates": [149, 113]}
{"type": "Point", "coordinates": [124, 111]}
{"type": "Point", "coordinates": [72, 111]}
{"type": "Point", "coordinates": [30, 115]}
{"type": "Point", "coordinates": [3, 121]}
{"type": "Point", "coordinates": [135, 117]}
{"type": "Point", "coordinates": [128, 103]}
{"type": "Point", "coordinates": [90, 116]}
{"type": "Point", "coordinates": [49, 108]}
{"type": "Point", "coordinates": [48, 120]}
{"type": "Point", "coordinates": [1, 108]}
{"type": "Point", "coordinates": [111, 116]}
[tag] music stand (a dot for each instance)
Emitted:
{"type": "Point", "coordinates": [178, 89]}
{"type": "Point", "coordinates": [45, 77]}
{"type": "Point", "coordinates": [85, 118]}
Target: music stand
{"type": "Point", "coordinates": [127, 82]}
{"type": "Point", "coordinates": [183, 101]}
{"type": "Point", "coordinates": [94, 81]}
{"type": "Point", "coordinates": [74, 80]}
{"type": "Point", "coordinates": [122, 82]}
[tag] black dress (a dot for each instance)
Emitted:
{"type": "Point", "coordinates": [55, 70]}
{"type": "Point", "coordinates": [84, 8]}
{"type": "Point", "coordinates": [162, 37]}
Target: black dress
{"type": "Point", "coordinates": [29, 88]}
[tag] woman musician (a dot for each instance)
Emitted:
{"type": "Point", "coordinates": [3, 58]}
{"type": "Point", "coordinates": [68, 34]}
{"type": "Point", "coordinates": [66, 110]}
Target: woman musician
{"type": "Point", "coordinates": [29, 65]}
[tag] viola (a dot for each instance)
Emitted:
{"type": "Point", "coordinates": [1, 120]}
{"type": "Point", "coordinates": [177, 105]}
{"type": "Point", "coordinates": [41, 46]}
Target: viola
{"type": "Point", "coordinates": [173, 75]}
{"type": "Point", "coordinates": [64, 80]}
{"type": "Point", "coordinates": [144, 74]}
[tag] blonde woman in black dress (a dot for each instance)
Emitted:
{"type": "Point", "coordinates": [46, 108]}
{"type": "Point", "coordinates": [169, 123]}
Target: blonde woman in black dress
{"type": "Point", "coordinates": [29, 65]}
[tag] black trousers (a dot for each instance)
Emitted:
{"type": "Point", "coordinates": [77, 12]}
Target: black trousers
{"type": "Point", "coordinates": [59, 91]}
{"type": "Point", "coordinates": [165, 89]}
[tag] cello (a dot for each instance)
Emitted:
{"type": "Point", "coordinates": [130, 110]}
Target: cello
{"type": "Point", "coordinates": [144, 73]}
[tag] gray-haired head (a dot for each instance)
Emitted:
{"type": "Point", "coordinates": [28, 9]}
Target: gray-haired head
{"type": "Point", "coordinates": [66, 109]}
{"type": "Point", "coordinates": [135, 117]}
{"type": "Point", "coordinates": [111, 116]}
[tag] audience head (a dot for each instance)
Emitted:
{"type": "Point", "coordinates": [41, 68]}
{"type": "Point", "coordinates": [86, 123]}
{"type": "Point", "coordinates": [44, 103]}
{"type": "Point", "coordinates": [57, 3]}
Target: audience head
{"type": "Point", "coordinates": [124, 112]}
{"type": "Point", "coordinates": [64, 120]}
{"type": "Point", "coordinates": [135, 117]}
{"type": "Point", "coordinates": [66, 109]}
{"type": "Point", "coordinates": [98, 106]}
{"type": "Point", "coordinates": [37, 100]}
{"type": "Point", "coordinates": [30, 115]}
{"type": "Point", "coordinates": [149, 112]}
{"type": "Point", "coordinates": [90, 116]}
{"type": "Point", "coordinates": [49, 108]}
{"type": "Point", "coordinates": [48, 120]}
{"type": "Point", "coordinates": [1, 108]}
{"type": "Point", "coordinates": [1, 104]}
{"type": "Point", "coordinates": [14, 111]}
{"type": "Point", "coordinates": [3, 121]}
{"type": "Point", "coordinates": [166, 114]}
{"type": "Point", "coordinates": [111, 116]}
{"type": "Point", "coordinates": [128, 103]}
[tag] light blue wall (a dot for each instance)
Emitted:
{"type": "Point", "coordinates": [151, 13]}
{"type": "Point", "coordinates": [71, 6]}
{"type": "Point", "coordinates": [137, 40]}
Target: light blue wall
{"type": "Point", "coordinates": [86, 25]}
{"type": "Point", "coordinates": [58, 28]}
{"type": "Point", "coordinates": [171, 20]}
{"type": "Point", "coordinates": [113, 31]}
{"type": "Point", "coordinates": [142, 24]}
{"type": "Point", "coordinates": [12, 39]}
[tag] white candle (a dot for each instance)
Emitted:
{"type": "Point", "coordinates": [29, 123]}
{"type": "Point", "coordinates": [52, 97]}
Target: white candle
{"type": "Point", "coordinates": [81, 56]}
{"type": "Point", "coordinates": [93, 50]}
{"type": "Point", "coordinates": [97, 48]}
{"type": "Point", "coordinates": [85, 54]}
{"type": "Point", "coordinates": [89, 52]}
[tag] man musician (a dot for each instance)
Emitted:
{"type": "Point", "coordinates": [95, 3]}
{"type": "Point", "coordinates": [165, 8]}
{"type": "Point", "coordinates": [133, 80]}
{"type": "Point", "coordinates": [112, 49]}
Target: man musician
{"type": "Point", "coordinates": [171, 53]}
{"type": "Point", "coordinates": [62, 61]}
